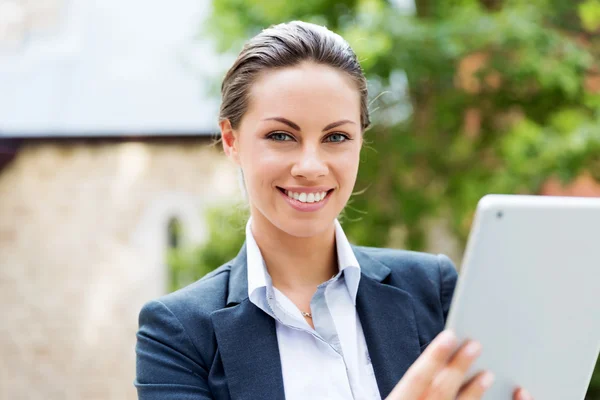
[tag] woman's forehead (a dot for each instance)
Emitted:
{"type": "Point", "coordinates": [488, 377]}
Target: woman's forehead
{"type": "Point", "coordinates": [306, 88]}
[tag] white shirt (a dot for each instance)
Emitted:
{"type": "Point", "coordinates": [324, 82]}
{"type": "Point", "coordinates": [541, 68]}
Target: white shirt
{"type": "Point", "coordinates": [331, 361]}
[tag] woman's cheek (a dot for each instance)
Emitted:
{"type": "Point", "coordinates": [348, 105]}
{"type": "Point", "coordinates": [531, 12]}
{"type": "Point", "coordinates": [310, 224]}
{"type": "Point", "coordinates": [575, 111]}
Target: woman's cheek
{"type": "Point", "coordinates": [267, 171]}
{"type": "Point", "coordinates": [348, 165]}
{"type": "Point", "coordinates": [260, 161]}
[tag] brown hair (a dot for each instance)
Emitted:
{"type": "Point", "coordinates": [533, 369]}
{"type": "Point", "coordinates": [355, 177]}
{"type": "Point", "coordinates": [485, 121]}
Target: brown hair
{"type": "Point", "coordinates": [286, 45]}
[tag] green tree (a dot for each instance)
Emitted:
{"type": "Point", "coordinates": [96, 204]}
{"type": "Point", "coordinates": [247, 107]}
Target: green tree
{"type": "Point", "coordinates": [473, 97]}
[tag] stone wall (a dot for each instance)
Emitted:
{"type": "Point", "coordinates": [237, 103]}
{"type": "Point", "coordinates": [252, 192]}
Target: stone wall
{"type": "Point", "coordinates": [83, 235]}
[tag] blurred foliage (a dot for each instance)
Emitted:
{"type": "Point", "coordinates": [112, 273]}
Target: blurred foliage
{"type": "Point", "coordinates": [472, 97]}
{"type": "Point", "coordinates": [226, 235]}
{"type": "Point", "coordinates": [469, 97]}
{"type": "Point", "coordinates": [589, 12]}
{"type": "Point", "coordinates": [593, 392]}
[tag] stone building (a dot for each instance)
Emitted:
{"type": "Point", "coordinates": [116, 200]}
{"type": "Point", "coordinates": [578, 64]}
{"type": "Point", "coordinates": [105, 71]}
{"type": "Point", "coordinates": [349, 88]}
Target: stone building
{"type": "Point", "coordinates": [83, 240]}
{"type": "Point", "coordinates": [105, 139]}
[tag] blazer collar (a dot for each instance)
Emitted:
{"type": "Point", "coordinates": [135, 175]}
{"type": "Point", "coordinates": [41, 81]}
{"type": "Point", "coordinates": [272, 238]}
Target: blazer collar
{"type": "Point", "coordinates": [238, 278]}
{"type": "Point", "coordinates": [387, 316]}
{"type": "Point", "coordinates": [248, 342]}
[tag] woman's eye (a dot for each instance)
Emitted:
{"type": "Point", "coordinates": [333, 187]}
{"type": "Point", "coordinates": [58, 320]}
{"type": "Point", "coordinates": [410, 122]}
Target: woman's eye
{"type": "Point", "coordinates": [336, 137]}
{"type": "Point", "coordinates": [280, 137]}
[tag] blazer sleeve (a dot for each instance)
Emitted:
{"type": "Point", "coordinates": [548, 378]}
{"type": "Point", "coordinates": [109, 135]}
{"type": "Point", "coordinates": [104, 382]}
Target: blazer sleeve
{"type": "Point", "coordinates": [448, 278]}
{"type": "Point", "coordinates": [166, 359]}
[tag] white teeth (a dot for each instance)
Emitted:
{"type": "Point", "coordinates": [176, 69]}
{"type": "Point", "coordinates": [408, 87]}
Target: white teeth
{"type": "Point", "coordinates": [307, 197]}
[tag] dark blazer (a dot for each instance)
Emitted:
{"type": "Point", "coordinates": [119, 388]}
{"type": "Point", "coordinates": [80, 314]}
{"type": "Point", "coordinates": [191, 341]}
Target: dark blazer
{"type": "Point", "coordinates": [208, 341]}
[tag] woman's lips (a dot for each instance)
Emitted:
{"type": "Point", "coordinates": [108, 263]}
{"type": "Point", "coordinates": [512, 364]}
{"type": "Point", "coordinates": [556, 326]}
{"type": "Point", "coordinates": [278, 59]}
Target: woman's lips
{"type": "Point", "coordinates": [305, 206]}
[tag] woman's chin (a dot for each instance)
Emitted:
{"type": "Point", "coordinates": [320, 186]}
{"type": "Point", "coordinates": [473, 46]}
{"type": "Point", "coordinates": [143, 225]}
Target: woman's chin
{"type": "Point", "coordinates": [304, 227]}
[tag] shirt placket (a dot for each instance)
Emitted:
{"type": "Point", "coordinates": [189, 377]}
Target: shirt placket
{"type": "Point", "coordinates": [325, 330]}
{"type": "Point", "coordinates": [324, 326]}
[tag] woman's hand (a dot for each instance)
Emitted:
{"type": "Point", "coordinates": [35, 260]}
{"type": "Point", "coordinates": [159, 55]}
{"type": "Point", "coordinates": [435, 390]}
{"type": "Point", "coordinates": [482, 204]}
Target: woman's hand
{"type": "Point", "coordinates": [438, 376]}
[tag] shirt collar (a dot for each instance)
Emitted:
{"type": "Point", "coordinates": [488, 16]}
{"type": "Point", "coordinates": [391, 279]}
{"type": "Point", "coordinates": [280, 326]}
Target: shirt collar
{"type": "Point", "coordinates": [347, 261]}
{"type": "Point", "coordinates": [258, 276]}
{"type": "Point", "coordinates": [257, 270]}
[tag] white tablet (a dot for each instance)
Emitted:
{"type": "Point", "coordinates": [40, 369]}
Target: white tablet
{"type": "Point", "coordinates": [529, 291]}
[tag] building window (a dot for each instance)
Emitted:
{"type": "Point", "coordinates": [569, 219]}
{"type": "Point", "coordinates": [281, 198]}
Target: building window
{"type": "Point", "coordinates": [177, 258]}
{"type": "Point", "coordinates": [174, 234]}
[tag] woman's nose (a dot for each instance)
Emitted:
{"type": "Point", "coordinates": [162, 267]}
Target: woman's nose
{"type": "Point", "coordinates": [310, 165]}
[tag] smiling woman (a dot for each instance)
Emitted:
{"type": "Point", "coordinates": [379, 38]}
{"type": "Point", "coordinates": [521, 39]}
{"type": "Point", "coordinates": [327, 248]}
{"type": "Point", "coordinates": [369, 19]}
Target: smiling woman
{"type": "Point", "coordinates": [288, 140]}
{"type": "Point", "coordinates": [300, 312]}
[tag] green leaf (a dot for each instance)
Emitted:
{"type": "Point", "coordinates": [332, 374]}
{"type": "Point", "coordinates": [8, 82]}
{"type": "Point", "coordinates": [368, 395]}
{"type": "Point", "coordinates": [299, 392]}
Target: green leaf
{"type": "Point", "coordinates": [589, 12]}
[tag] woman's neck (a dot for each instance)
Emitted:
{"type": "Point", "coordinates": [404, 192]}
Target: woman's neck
{"type": "Point", "coordinates": [294, 262]}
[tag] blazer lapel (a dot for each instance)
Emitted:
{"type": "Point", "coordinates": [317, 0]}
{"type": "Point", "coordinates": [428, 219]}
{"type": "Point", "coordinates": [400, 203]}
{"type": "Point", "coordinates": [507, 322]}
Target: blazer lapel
{"type": "Point", "coordinates": [247, 338]}
{"type": "Point", "coordinates": [387, 317]}
{"type": "Point", "coordinates": [247, 341]}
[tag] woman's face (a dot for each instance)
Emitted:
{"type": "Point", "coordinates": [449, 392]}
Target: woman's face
{"type": "Point", "coordinates": [298, 146]}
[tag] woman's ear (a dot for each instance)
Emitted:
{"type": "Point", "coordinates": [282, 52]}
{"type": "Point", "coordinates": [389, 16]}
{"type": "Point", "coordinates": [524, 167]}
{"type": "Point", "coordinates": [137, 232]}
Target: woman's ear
{"type": "Point", "coordinates": [230, 141]}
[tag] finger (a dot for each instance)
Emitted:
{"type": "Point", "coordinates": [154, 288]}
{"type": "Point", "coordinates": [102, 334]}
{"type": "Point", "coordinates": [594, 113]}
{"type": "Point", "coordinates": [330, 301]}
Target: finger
{"type": "Point", "coordinates": [476, 387]}
{"type": "Point", "coordinates": [419, 376]}
{"type": "Point", "coordinates": [522, 394]}
{"type": "Point", "coordinates": [449, 380]}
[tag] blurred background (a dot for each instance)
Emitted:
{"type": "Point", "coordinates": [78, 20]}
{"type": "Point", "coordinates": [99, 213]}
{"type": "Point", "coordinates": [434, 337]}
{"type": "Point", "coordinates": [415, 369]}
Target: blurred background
{"type": "Point", "coordinates": [113, 192]}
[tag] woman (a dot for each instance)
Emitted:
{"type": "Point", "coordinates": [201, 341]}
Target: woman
{"type": "Point", "coordinates": [300, 313]}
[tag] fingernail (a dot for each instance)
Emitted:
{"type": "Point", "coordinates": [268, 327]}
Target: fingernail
{"type": "Point", "coordinates": [473, 348]}
{"type": "Point", "coordinates": [447, 338]}
{"type": "Point", "coordinates": [487, 379]}
{"type": "Point", "coordinates": [524, 395]}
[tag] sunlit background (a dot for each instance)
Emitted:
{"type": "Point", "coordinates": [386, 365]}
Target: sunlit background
{"type": "Point", "coordinates": [112, 191]}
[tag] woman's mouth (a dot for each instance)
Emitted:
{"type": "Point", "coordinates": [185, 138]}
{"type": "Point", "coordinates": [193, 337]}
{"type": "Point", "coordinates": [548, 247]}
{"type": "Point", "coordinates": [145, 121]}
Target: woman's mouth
{"type": "Point", "coordinates": [303, 197]}
{"type": "Point", "coordinates": [306, 201]}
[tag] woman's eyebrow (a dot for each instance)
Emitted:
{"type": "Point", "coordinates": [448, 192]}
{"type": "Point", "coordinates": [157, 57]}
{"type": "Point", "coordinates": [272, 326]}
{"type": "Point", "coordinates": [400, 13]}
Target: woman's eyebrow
{"type": "Point", "coordinates": [296, 127]}
{"type": "Point", "coordinates": [338, 123]}
{"type": "Point", "coordinates": [284, 121]}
